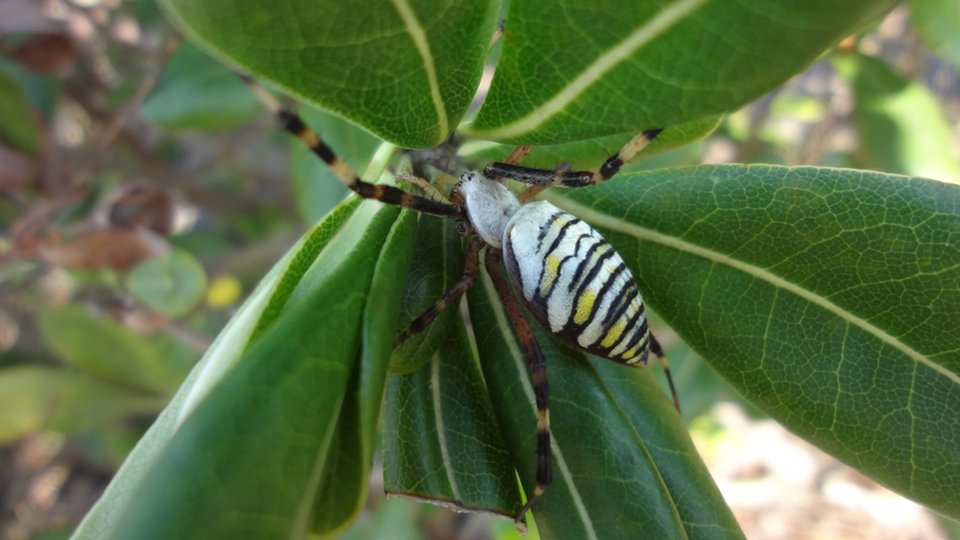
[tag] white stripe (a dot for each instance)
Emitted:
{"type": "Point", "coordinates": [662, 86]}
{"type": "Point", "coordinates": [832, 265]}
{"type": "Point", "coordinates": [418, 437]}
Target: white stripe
{"type": "Point", "coordinates": [419, 37]}
{"type": "Point", "coordinates": [644, 34]}
{"type": "Point", "coordinates": [506, 329]}
{"type": "Point", "coordinates": [615, 224]}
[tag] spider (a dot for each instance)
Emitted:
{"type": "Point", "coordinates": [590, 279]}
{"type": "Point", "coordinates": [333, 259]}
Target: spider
{"type": "Point", "coordinates": [568, 277]}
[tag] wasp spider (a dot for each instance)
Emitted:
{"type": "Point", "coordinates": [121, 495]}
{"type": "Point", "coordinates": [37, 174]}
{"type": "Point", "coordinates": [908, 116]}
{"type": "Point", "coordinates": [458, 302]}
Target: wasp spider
{"type": "Point", "coordinates": [571, 280]}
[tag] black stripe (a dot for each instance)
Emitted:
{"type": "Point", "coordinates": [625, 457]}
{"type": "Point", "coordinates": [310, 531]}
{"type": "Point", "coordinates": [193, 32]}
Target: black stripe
{"type": "Point", "coordinates": [543, 458]}
{"type": "Point", "coordinates": [583, 263]}
{"type": "Point", "coordinates": [571, 327]}
{"type": "Point", "coordinates": [576, 249]}
{"type": "Point", "coordinates": [611, 166]}
{"type": "Point", "coordinates": [621, 305]}
{"type": "Point", "coordinates": [556, 241]}
{"type": "Point", "coordinates": [545, 228]}
{"type": "Point", "coordinates": [637, 337]}
{"type": "Point", "coordinates": [543, 260]}
{"type": "Point", "coordinates": [604, 290]}
{"type": "Point", "coordinates": [293, 124]}
{"type": "Point", "coordinates": [393, 195]}
{"type": "Point", "coordinates": [628, 331]}
{"type": "Point", "coordinates": [530, 175]}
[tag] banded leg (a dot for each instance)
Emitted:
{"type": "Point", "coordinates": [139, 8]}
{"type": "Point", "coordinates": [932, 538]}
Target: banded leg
{"type": "Point", "coordinates": [451, 295]}
{"type": "Point", "coordinates": [538, 374]}
{"type": "Point", "coordinates": [657, 350]}
{"type": "Point", "coordinates": [563, 178]}
{"type": "Point", "coordinates": [295, 125]}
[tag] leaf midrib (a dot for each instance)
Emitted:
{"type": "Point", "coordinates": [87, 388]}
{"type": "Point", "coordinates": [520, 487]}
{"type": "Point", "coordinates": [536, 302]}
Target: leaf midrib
{"type": "Point", "coordinates": [598, 218]}
{"type": "Point", "coordinates": [645, 33]}
{"type": "Point", "coordinates": [418, 36]}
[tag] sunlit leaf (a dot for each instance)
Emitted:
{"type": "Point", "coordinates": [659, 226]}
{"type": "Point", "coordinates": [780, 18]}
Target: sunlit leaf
{"type": "Point", "coordinates": [404, 70]}
{"type": "Point", "coordinates": [586, 68]}
{"type": "Point", "coordinates": [827, 297]}
{"type": "Point", "coordinates": [441, 443]}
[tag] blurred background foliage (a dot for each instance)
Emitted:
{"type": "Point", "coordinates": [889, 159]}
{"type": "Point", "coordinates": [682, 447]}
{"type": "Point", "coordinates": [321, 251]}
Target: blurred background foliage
{"type": "Point", "coordinates": [145, 193]}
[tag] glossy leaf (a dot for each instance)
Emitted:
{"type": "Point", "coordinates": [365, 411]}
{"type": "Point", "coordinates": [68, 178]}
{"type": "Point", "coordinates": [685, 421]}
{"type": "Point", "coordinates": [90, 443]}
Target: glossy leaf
{"type": "Point", "coordinates": [441, 443]}
{"type": "Point", "coordinates": [586, 68]}
{"type": "Point", "coordinates": [405, 70]}
{"type": "Point", "coordinates": [591, 153]}
{"type": "Point", "coordinates": [243, 378]}
{"type": "Point", "coordinates": [437, 263]}
{"type": "Point", "coordinates": [612, 477]}
{"type": "Point", "coordinates": [343, 485]}
{"type": "Point", "coordinates": [827, 297]}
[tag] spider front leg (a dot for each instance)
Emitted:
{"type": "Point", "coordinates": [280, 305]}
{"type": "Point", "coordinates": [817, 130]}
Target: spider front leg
{"type": "Point", "coordinates": [538, 374]}
{"type": "Point", "coordinates": [295, 125]}
{"type": "Point", "coordinates": [561, 177]}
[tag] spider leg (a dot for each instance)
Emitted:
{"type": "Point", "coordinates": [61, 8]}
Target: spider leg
{"type": "Point", "coordinates": [538, 373]}
{"type": "Point", "coordinates": [657, 350]}
{"type": "Point", "coordinates": [295, 125]}
{"type": "Point", "coordinates": [565, 178]}
{"type": "Point", "coordinates": [450, 296]}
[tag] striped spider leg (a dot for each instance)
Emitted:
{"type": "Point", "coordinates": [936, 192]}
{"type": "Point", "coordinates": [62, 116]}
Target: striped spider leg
{"type": "Point", "coordinates": [569, 278]}
{"type": "Point", "coordinates": [294, 125]}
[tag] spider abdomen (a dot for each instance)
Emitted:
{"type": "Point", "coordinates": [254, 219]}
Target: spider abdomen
{"type": "Point", "coordinates": [575, 283]}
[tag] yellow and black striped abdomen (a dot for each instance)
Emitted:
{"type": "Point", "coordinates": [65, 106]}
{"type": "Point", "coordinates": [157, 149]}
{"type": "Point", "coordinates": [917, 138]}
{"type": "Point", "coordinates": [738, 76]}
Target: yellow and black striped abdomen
{"type": "Point", "coordinates": [575, 284]}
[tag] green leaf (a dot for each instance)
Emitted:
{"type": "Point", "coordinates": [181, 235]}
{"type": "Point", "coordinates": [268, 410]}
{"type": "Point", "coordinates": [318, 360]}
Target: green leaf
{"type": "Point", "coordinates": [103, 348]}
{"type": "Point", "coordinates": [827, 297]}
{"type": "Point", "coordinates": [17, 128]}
{"type": "Point", "coordinates": [937, 21]}
{"type": "Point", "coordinates": [591, 153]}
{"type": "Point", "coordinates": [405, 70]}
{"type": "Point", "coordinates": [437, 263]}
{"type": "Point", "coordinates": [343, 488]}
{"type": "Point", "coordinates": [222, 472]}
{"type": "Point", "coordinates": [441, 442]}
{"type": "Point", "coordinates": [196, 92]}
{"type": "Point", "coordinates": [900, 124]}
{"type": "Point", "coordinates": [624, 466]}
{"type": "Point", "coordinates": [171, 284]}
{"type": "Point", "coordinates": [303, 314]}
{"type": "Point", "coordinates": [587, 68]}
{"type": "Point", "coordinates": [36, 398]}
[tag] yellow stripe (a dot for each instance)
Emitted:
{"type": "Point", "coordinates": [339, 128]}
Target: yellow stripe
{"type": "Point", "coordinates": [584, 306]}
{"type": "Point", "coordinates": [550, 268]}
{"type": "Point", "coordinates": [614, 333]}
